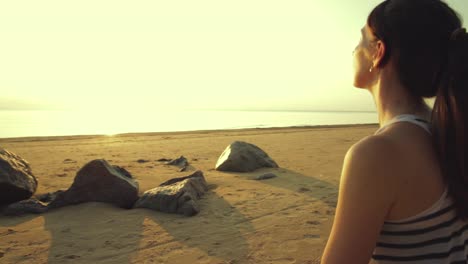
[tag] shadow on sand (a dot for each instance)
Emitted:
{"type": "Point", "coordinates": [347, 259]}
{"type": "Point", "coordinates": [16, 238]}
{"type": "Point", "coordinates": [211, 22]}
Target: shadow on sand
{"type": "Point", "coordinates": [85, 233]}
{"type": "Point", "coordinates": [296, 182]}
{"type": "Point", "coordinates": [98, 232]}
{"type": "Point", "coordinates": [218, 230]}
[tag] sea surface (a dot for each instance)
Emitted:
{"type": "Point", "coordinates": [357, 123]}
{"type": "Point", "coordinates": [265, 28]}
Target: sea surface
{"type": "Point", "coordinates": [61, 123]}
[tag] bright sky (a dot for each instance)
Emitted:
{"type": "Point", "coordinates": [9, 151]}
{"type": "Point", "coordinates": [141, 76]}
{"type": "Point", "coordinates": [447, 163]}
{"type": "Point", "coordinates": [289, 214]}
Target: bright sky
{"type": "Point", "coordinates": [243, 54]}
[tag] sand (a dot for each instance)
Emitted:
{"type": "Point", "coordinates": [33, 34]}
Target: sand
{"type": "Point", "coordinates": [282, 220]}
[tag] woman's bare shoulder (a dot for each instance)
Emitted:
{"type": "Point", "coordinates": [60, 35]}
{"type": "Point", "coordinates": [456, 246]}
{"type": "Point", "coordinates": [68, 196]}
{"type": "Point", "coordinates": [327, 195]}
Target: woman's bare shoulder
{"type": "Point", "coordinates": [378, 158]}
{"type": "Point", "coordinates": [375, 148]}
{"type": "Point", "coordinates": [366, 194]}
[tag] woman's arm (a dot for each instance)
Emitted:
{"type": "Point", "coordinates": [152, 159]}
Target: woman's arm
{"type": "Point", "coordinates": [366, 194]}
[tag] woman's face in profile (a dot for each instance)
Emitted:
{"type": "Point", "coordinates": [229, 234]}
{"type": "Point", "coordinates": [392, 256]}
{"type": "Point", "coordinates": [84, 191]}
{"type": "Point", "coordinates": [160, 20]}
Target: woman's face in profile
{"type": "Point", "coordinates": [362, 56]}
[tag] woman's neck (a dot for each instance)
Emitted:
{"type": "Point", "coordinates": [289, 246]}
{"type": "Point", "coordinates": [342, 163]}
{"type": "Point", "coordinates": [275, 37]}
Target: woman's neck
{"type": "Point", "coordinates": [392, 99]}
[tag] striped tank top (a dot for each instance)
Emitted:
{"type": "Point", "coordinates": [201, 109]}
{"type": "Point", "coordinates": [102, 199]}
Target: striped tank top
{"type": "Point", "coordinates": [436, 235]}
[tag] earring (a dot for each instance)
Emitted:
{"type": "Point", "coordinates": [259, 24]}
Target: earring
{"type": "Point", "coordinates": [371, 68]}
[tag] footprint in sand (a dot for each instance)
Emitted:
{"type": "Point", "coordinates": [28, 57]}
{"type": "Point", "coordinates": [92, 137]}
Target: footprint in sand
{"type": "Point", "coordinates": [311, 236]}
{"type": "Point", "coordinates": [303, 189]}
{"type": "Point", "coordinates": [8, 232]}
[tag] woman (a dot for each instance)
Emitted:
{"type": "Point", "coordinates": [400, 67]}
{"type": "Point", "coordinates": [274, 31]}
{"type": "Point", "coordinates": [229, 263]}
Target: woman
{"type": "Point", "coordinates": [403, 194]}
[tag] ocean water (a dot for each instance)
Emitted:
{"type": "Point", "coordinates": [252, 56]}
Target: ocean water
{"type": "Point", "coordinates": [60, 123]}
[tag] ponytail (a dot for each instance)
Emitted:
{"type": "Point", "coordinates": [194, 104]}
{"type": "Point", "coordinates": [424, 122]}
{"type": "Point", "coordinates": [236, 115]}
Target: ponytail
{"type": "Point", "coordinates": [430, 49]}
{"type": "Point", "coordinates": [450, 121]}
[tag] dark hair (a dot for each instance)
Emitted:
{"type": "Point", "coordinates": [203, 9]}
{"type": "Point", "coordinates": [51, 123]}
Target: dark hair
{"type": "Point", "coordinates": [430, 51]}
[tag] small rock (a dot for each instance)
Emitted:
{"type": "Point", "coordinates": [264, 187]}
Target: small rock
{"type": "Point", "coordinates": [265, 176]}
{"type": "Point", "coordinates": [30, 206]}
{"type": "Point", "coordinates": [179, 162]}
{"type": "Point", "coordinates": [163, 160]}
{"type": "Point", "coordinates": [48, 197]}
{"type": "Point", "coordinates": [142, 161]}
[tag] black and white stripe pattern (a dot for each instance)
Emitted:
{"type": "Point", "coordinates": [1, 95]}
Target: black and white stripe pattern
{"type": "Point", "coordinates": [437, 235]}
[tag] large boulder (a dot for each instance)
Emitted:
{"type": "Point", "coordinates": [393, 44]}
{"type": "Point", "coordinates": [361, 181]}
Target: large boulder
{"type": "Point", "coordinates": [243, 157]}
{"type": "Point", "coordinates": [16, 179]}
{"type": "Point", "coordinates": [177, 195]}
{"type": "Point", "coordinates": [98, 181]}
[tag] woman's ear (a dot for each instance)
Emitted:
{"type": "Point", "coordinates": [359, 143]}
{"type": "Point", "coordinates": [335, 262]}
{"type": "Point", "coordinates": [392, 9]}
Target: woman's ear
{"type": "Point", "coordinates": [380, 50]}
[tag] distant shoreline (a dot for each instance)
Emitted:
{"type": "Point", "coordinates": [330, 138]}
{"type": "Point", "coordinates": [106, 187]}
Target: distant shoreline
{"type": "Point", "coordinates": [132, 134]}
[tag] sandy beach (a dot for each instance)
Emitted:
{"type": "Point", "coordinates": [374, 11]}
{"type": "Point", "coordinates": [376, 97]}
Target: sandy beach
{"type": "Point", "coordinates": [281, 220]}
